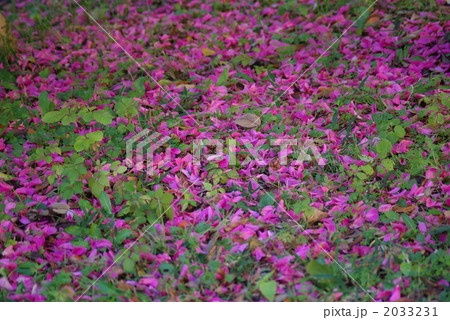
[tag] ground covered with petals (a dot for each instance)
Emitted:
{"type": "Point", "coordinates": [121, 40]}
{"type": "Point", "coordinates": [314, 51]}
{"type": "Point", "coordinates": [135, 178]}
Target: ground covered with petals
{"type": "Point", "coordinates": [283, 169]}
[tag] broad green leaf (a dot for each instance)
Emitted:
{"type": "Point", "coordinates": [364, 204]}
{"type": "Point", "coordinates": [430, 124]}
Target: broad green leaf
{"type": "Point", "coordinates": [5, 75]}
{"type": "Point", "coordinates": [96, 187]}
{"type": "Point", "coordinates": [139, 84]}
{"type": "Point", "coordinates": [52, 116]}
{"type": "Point", "coordinates": [245, 60]}
{"type": "Point", "coordinates": [244, 76]}
{"type": "Point", "coordinates": [151, 218]}
{"type": "Point", "coordinates": [440, 118]}
{"type": "Point", "coordinates": [107, 288]}
{"type": "Point", "coordinates": [405, 268]}
{"type": "Point", "coordinates": [95, 136]}
{"type": "Point", "coordinates": [80, 144]}
{"type": "Point", "coordinates": [44, 102]}
{"type": "Point", "coordinates": [105, 202]}
{"type": "Point", "coordinates": [365, 158]}
{"type": "Point", "coordinates": [268, 289]}
{"type": "Point", "coordinates": [399, 131]}
{"type": "Point", "coordinates": [388, 164]}
{"type": "Point", "coordinates": [361, 175]}
{"type": "Point", "coordinates": [45, 73]}
{"type": "Point", "coordinates": [233, 174]}
{"type": "Point", "coordinates": [159, 192]}
{"type": "Point", "coordinates": [383, 148]}
{"type": "Point", "coordinates": [128, 265]}
{"type": "Point", "coordinates": [408, 221]}
{"type": "Point", "coordinates": [222, 78]}
{"type": "Point", "coordinates": [392, 216]}
{"type": "Point", "coordinates": [122, 235]}
{"type": "Point", "coordinates": [392, 137]}
{"type": "Point", "coordinates": [435, 212]}
{"type": "Point", "coordinates": [321, 272]}
{"type": "Point", "coordinates": [166, 198]}
{"type": "Point", "coordinates": [267, 200]}
{"type": "Point", "coordinates": [102, 116]}
{"type": "Point", "coordinates": [208, 186]}
{"type": "Point", "coordinates": [303, 10]}
{"type": "Point", "coordinates": [367, 169]}
{"type": "Point", "coordinates": [169, 213]}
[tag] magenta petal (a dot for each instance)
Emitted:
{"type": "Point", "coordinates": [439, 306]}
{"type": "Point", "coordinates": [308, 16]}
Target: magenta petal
{"type": "Point", "coordinates": [372, 215]}
{"type": "Point", "coordinates": [395, 294]}
{"type": "Point", "coordinates": [422, 227]}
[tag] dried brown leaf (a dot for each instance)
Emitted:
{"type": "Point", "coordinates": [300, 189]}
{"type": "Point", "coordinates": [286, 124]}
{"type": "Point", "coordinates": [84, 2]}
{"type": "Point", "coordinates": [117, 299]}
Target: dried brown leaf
{"type": "Point", "coordinates": [447, 214]}
{"type": "Point", "coordinates": [316, 216]}
{"type": "Point", "coordinates": [248, 120]}
{"type": "Point", "coordinates": [407, 210]}
{"type": "Point", "coordinates": [373, 19]}
{"type": "Point", "coordinates": [7, 39]}
{"type": "Point", "coordinates": [254, 243]}
{"type": "Point", "coordinates": [59, 208]}
{"type": "Point", "coordinates": [324, 92]}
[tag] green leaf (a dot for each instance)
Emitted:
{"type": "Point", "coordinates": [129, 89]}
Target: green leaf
{"type": "Point", "coordinates": [388, 164]}
{"type": "Point", "coordinates": [45, 73]}
{"type": "Point", "coordinates": [244, 76]}
{"type": "Point", "coordinates": [7, 76]}
{"type": "Point", "coordinates": [233, 174]}
{"type": "Point", "coordinates": [95, 136]}
{"type": "Point", "coordinates": [245, 60]}
{"type": "Point", "coordinates": [52, 116]}
{"type": "Point", "coordinates": [167, 198]}
{"type": "Point", "coordinates": [383, 148]}
{"type": "Point", "coordinates": [159, 192]}
{"type": "Point", "coordinates": [399, 131]}
{"type": "Point", "coordinates": [405, 268]}
{"type": "Point", "coordinates": [288, 50]}
{"type": "Point", "coordinates": [96, 187]}
{"type": "Point", "coordinates": [361, 175]}
{"type": "Point", "coordinates": [367, 169]}
{"type": "Point", "coordinates": [80, 144]}
{"type": "Point", "coordinates": [222, 78]}
{"type": "Point", "coordinates": [208, 186]}
{"type": "Point", "coordinates": [304, 10]}
{"type": "Point", "coordinates": [165, 267]}
{"type": "Point", "coordinates": [268, 289]}
{"type": "Point", "coordinates": [321, 272]}
{"type": "Point", "coordinates": [105, 202]}
{"type": "Point", "coordinates": [435, 212]}
{"type": "Point", "coordinates": [140, 88]}
{"type": "Point", "coordinates": [103, 116]}
{"type": "Point", "coordinates": [74, 230]}
{"type": "Point", "coordinates": [169, 213]}
{"type": "Point", "coordinates": [408, 221]}
{"type": "Point", "coordinates": [392, 216]}
{"type": "Point", "coordinates": [391, 137]}
{"type": "Point", "coordinates": [440, 118]}
{"type": "Point", "coordinates": [107, 288]}
{"type": "Point", "coordinates": [267, 200]}
{"type": "Point", "coordinates": [122, 235]}
{"type": "Point", "coordinates": [44, 102]}
{"type": "Point", "coordinates": [128, 265]}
